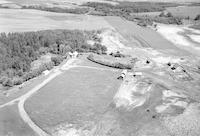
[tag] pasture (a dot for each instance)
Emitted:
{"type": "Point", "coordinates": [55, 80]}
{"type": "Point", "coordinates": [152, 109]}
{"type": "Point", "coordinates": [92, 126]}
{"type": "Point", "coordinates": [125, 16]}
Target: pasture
{"type": "Point", "coordinates": [79, 96]}
{"type": "Point", "coordinates": [11, 123]}
{"type": "Point", "coordinates": [19, 20]}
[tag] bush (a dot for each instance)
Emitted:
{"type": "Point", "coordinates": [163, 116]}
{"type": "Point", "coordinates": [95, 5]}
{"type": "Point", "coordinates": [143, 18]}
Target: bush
{"type": "Point", "coordinates": [117, 54]}
{"type": "Point", "coordinates": [8, 82]}
{"type": "Point", "coordinates": [48, 66]}
{"type": "Point", "coordinates": [197, 17]}
{"type": "Point", "coordinates": [17, 81]}
{"type": "Point", "coordinates": [98, 48]}
{"type": "Point", "coordinates": [56, 60]}
{"type": "Point", "coordinates": [109, 63]}
{"type": "Point", "coordinates": [165, 14]}
{"type": "Point", "coordinates": [43, 50]}
{"type": "Point", "coordinates": [2, 79]}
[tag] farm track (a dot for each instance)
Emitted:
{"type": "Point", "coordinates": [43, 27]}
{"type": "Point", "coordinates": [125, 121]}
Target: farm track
{"type": "Point", "coordinates": [72, 63]}
{"type": "Point", "coordinates": [24, 97]}
{"type": "Point", "coordinates": [173, 85]}
{"type": "Point", "coordinates": [21, 100]}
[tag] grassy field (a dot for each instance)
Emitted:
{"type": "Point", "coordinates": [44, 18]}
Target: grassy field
{"type": "Point", "coordinates": [81, 101]}
{"type": "Point", "coordinates": [78, 96]}
{"type": "Point", "coordinates": [11, 123]}
{"type": "Point", "coordinates": [185, 11]}
{"type": "Point", "coordinates": [147, 38]}
{"type": "Point", "coordinates": [17, 20]}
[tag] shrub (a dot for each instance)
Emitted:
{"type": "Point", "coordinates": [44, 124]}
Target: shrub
{"type": "Point", "coordinates": [57, 60]}
{"type": "Point", "coordinates": [197, 17]}
{"type": "Point", "coordinates": [8, 82]}
{"type": "Point", "coordinates": [98, 48]}
{"type": "Point", "coordinates": [2, 79]}
{"type": "Point", "coordinates": [117, 54]}
{"type": "Point", "coordinates": [48, 65]}
{"type": "Point", "coordinates": [43, 50]}
{"type": "Point", "coordinates": [169, 14]}
{"type": "Point", "coordinates": [109, 63]}
{"type": "Point", "coordinates": [17, 81]}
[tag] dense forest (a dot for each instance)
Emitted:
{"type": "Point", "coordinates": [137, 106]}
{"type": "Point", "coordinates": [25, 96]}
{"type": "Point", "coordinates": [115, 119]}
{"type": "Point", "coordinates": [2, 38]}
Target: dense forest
{"type": "Point", "coordinates": [125, 10]}
{"type": "Point", "coordinates": [129, 7]}
{"type": "Point", "coordinates": [19, 50]}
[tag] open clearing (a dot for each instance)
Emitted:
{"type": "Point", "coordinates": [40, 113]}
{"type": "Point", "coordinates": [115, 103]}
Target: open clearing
{"type": "Point", "coordinates": [185, 11]}
{"type": "Point", "coordinates": [78, 93]}
{"type": "Point", "coordinates": [12, 125]}
{"type": "Point", "coordinates": [181, 37]}
{"type": "Point", "coordinates": [18, 20]}
{"type": "Point", "coordinates": [147, 37]}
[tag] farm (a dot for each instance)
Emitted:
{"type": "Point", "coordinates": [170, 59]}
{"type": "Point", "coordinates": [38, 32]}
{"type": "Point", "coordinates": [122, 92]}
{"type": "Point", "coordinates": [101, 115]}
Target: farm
{"type": "Point", "coordinates": [99, 68]}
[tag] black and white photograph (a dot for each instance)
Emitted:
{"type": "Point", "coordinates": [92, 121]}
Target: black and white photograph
{"type": "Point", "coordinates": [99, 67]}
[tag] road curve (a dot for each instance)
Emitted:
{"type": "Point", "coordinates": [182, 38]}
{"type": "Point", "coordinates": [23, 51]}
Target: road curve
{"type": "Point", "coordinates": [24, 115]}
{"type": "Point", "coordinates": [22, 111]}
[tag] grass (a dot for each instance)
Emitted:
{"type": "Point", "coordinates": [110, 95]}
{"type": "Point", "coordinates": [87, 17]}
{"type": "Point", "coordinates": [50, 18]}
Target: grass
{"type": "Point", "coordinates": [184, 11]}
{"type": "Point", "coordinates": [11, 123]}
{"type": "Point", "coordinates": [186, 124]}
{"type": "Point", "coordinates": [196, 26]}
{"type": "Point", "coordinates": [78, 96]}
{"type": "Point", "coordinates": [146, 37]}
{"type": "Point", "coordinates": [19, 20]}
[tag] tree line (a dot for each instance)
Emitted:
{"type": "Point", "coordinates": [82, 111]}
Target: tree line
{"type": "Point", "coordinates": [19, 50]}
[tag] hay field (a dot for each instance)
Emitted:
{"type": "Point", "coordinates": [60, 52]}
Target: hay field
{"type": "Point", "coordinates": [79, 96]}
{"type": "Point", "coordinates": [18, 20]}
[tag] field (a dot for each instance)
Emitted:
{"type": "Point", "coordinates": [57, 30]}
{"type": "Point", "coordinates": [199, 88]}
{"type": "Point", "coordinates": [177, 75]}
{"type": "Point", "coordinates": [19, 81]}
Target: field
{"type": "Point", "coordinates": [181, 37]}
{"type": "Point", "coordinates": [17, 20]}
{"type": "Point", "coordinates": [158, 95]}
{"type": "Point", "coordinates": [78, 93]}
{"type": "Point", "coordinates": [11, 123]}
{"type": "Point", "coordinates": [147, 38]}
{"type": "Point", "coordinates": [185, 11]}
{"type": "Point", "coordinates": [83, 1]}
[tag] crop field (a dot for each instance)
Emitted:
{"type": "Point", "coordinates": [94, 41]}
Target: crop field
{"type": "Point", "coordinates": [78, 96]}
{"type": "Point", "coordinates": [147, 38]}
{"type": "Point", "coordinates": [11, 123]}
{"type": "Point", "coordinates": [17, 20]}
